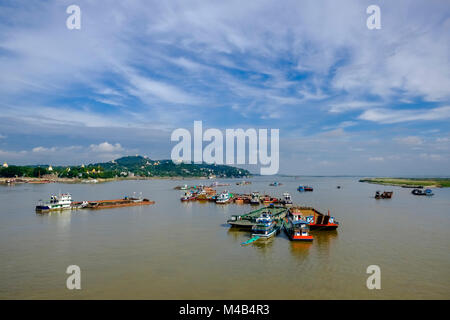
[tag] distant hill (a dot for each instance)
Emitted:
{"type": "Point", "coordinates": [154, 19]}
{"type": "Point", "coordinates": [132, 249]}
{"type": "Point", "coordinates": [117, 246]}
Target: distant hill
{"type": "Point", "coordinates": [143, 166]}
{"type": "Point", "coordinates": [127, 167]}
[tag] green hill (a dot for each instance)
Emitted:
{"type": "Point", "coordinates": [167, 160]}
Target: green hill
{"type": "Point", "coordinates": [128, 167]}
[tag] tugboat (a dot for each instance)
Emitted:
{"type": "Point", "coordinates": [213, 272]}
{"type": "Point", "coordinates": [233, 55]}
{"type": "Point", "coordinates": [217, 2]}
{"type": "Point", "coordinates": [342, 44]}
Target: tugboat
{"type": "Point", "coordinates": [384, 195]}
{"type": "Point", "coordinates": [224, 197]}
{"type": "Point", "coordinates": [265, 226]}
{"type": "Point", "coordinates": [57, 202]}
{"type": "Point", "coordinates": [296, 228]}
{"type": "Point", "coordinates": [426, 192]}
{"type": "Point", "coordinates": [287, 200]}
{"type": "Point", "coordinates": [254, 199]}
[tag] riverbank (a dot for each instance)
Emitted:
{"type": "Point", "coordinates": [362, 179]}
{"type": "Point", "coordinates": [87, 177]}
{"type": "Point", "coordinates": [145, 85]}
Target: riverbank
{"type": "Point", "coordinates": [52, 179]}
{"type": "Point", "coordinates": [410, 182]}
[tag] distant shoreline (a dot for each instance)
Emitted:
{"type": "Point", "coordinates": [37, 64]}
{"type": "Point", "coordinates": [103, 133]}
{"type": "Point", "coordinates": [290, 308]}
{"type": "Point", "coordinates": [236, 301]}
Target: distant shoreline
{"type": "Point", "coordinates": [410, 182]}
{"type": "Point", "coordinates": [45, 180]}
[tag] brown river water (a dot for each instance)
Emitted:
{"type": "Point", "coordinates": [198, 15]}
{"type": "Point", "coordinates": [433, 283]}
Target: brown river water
{"type": "Point", "coordinates": [174, 250]}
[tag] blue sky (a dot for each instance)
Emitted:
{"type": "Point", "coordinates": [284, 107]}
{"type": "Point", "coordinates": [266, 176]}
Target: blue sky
{"type": "Point", "coordinates": [347, 100]}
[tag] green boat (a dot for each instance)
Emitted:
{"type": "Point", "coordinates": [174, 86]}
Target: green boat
{"type": "Point", "coordinates": [248, 220]}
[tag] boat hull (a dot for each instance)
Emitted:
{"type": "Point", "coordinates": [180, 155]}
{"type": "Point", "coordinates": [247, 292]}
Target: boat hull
{"type": "Point", "coordinates": [330, 226]}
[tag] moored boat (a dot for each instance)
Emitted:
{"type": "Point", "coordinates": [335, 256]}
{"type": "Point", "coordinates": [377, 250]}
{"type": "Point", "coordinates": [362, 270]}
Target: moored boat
{"type": "Point", "coordinates": [255, 198]}
{"type": "Point", "coordinates": [287, 200]}
{"type": "Point", "coordinates": [224, 197]}
{"type": "Point", "coordinates": [315, 219]}
{"type": "Point", "coordinates": [265, 226]}
{"type": "Point", "coordinates": [187, 197]}
{"type": "Point", "coordinates": [296, 228]}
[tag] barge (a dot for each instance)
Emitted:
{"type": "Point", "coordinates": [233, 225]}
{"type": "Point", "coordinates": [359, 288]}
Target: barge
{"type": "Point", "coordinates": [116, 203]}
{"type": "Point", "coordinates": [248, 220]}
{"type": "Point", "coordinates": [315, 219]}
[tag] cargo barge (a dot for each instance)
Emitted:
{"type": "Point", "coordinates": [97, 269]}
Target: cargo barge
{"type": "Point", "coordinates": [64, 202]}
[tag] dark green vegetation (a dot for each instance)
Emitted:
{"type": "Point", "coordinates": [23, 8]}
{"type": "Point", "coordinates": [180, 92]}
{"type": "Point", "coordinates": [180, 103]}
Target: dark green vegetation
{"type": "Point", "coordinates": [130, 166]}
{"type": "Point", "coordinates": [426, 182]}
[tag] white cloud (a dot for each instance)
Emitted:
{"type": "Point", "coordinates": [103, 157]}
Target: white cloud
{"type": "Point", "coordinates": [106, 147]}
{"type": "Point", "coordinates": [376, 159]}
{"type": "Point", "coordinates": [410, 140]}
{"type": "Point", "coordinates": [396, 116]}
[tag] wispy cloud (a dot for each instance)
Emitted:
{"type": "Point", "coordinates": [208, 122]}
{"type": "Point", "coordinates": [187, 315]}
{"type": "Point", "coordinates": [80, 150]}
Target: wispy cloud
{"type": "Point", "coordinates": [388, 116]}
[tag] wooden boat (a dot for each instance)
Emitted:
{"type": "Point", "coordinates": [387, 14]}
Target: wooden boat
{"type": "Point", "coordinates": [384, 195]}
{"type": "Point", "coordinates": [315, 219]}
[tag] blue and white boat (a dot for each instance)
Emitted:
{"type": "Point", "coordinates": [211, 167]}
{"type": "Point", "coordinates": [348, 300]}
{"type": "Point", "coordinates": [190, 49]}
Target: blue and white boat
{"type": "Point", "coordinates": [265, 226]}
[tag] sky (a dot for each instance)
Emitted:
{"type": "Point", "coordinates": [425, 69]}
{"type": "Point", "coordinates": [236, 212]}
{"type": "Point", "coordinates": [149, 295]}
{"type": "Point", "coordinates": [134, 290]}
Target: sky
{"type": "Point", "coordinates": [347, 100]}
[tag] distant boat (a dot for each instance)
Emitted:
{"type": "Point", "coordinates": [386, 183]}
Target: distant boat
{"type": "Point", "coordinates": [304, 188]}
{"type": "Point", "coordinates": [384, 195]}
{"type": "Point", "coordinates": [301, 189]}
{"type": "Point", "coordinates": [426, 192]}
{"type": "Point", "coordinates": [275, 184]}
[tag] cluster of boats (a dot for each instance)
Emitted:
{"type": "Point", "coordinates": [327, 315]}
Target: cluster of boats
{"type": "Point", "coordinates": [254, 198]}
{"type": "Point", "coordinates": [63, 201]}
{"type": "Point", "coordinates": [295, 221]}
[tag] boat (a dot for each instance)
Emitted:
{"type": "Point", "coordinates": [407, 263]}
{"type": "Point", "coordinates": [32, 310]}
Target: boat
{"type": "Point", "coordinates": [338, 187]}
{"type": "Point", "coordinates": [426, 192]}
{"type": "Point", "coordinates": [187, 197]}
{"type": "Point", "coordinates": [275, 184]}
{"type": "Point", "coordinates": [248, 220]}
{"type": "Point", "coordinates": [308, 188]}
{"type": "Point", "coordinates": [242, 183]}
{"type": "Point", "coordinates": [265, 226]}
{"type": "Point", "coordinates": [255, 198]}
{"type": "Point", "coordinates": [301, 189]}
{"type": "Point", "coordinates": [296, 228]}
{"type": "Point", "coordinates": [384, 195]}
{"type": "Point", "coordinates": [115, 203]}
{"type": "Point", "coordinates": [57, 202]}
{"type": "Point", "coordinates": [315, 219]}
{"type": "Point", "coordinates": [224, 197]}
{"type": "Point", "coordinates": [287, 200]}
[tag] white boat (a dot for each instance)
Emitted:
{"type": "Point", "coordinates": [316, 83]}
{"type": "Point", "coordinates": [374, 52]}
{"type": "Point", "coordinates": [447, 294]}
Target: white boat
{"type": "Point", "coordinates": [57, 202]}
{"type": "Point", "coordinates": [255, 198]}
{"type": "Point", "coordinates": [224, 197]}
{"type": "Point", "coordinates": [287, 198]}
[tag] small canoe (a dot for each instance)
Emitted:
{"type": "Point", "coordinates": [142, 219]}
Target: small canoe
{"type": "Point", "coordinates": [250, 241]}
